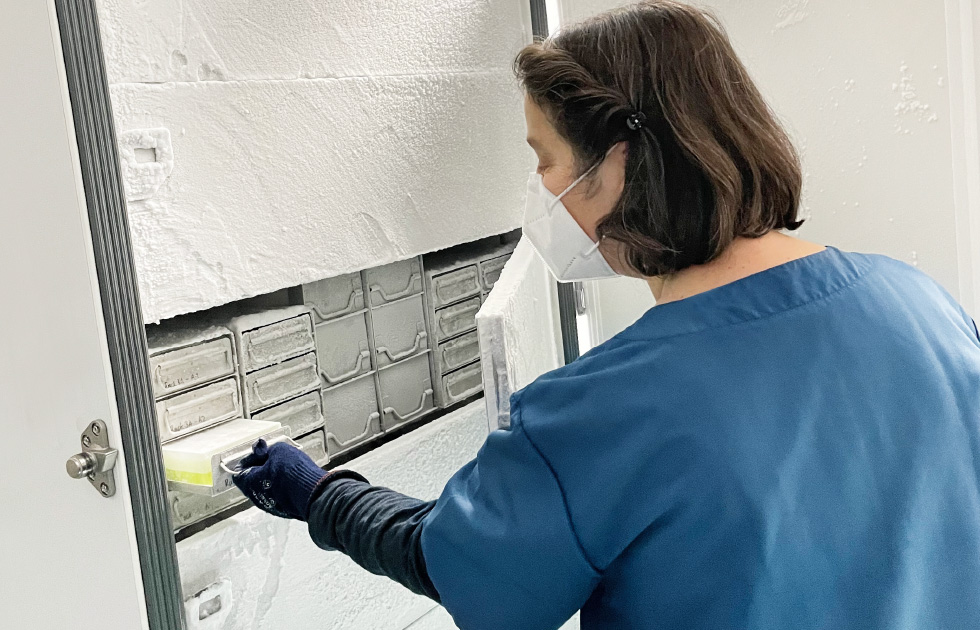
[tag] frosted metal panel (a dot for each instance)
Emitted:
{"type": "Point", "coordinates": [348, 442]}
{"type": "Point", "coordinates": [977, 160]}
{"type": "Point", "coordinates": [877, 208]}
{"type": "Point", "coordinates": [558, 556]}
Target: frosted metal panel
{"type": "Point", "coordinates": [406, 391]}
{"type": "Point", "coordinates": [393, 282]}
{"type": "Point", "coordinates": [457, 352]}
{"type": "Point", "coordinates": [399, 330]}
{"type": "Point", "coordinates": [342, 349]}
{"type": "Point", "coordinates": [452, 320]}
{"type": "Point", "coordinates": [281, 382]}
{"type": "Point", "coordinates": [266, 344]}
{"type": "Point", "coordinates": [334, 297]}
{"type": "Point", "coordinates": [351, 414]}
{"type": "Point", "coordinates": [490, 271]}
{"type": "Point", "coordinates": [198, 409]}
{"type": "Point", "coordinates": [180, 361]}
{"type": "Point", "coordinates": [452, 286]}
{"type": "Point", "coordinates": [315, 446]}
{"type": "Point", "coordinates": [461, 384]}
{"type": "Point", "coordinates": [299, 415]}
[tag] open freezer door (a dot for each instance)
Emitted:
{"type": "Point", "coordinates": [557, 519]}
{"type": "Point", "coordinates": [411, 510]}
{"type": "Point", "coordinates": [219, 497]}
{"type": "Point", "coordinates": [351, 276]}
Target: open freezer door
{"type": "Point", "coordinates": [520, 335]}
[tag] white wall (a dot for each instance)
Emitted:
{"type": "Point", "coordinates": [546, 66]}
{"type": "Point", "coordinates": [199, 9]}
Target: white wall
{"type": "Point", "coordinates": [311, 139]}
{"type": "Point", "coordinates": [873, 94]}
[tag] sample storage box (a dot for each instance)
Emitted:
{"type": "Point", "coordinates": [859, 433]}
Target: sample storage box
{"type": "Point", "coordinates": [334, 297]}
{"type": "Point", "coordinates": [394, 281]}
{"type": "Point", "coordinates": [298, 416]}
{"type": "Point", "coordinates": [406, 391]}
{"type": "Point", "coordinates": [198, 409]}
{"type": "Point", "coordinates": [342, 348]}
{"type": "Point", "coordinates": [491, 269]}
{"type": "Point", "coordinates": [350, 412]}
{"type": "Point", "coordinates": [204, 463]}
{"type": "Point", "coordinates": [399, 330]}
{"type": "Point", "coordinates": [182, 358]}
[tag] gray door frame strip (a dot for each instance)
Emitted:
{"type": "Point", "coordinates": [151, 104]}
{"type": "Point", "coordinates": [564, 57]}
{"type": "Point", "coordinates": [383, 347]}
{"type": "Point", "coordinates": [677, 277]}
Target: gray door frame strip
{"type": "Point", "coordinates": [96, 139]}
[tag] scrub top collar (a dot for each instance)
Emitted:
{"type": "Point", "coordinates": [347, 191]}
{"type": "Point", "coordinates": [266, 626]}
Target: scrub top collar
{"type": "Point", "coordinates": [776, 290]}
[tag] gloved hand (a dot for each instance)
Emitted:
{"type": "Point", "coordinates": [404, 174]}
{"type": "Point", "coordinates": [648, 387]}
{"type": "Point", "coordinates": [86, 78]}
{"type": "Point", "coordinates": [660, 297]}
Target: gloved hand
{"type": "Point", "coordinates": [279, 479]}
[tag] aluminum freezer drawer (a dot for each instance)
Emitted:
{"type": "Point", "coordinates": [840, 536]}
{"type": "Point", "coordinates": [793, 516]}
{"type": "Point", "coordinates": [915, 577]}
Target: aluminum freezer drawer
{"type": "Point", "coordinates": [197, 409]}
{"type": "Point", "coordinates": [491, 269]}
{"type": "Point", "coordinates": [342, 349]}
{"type": "Point", "coordinates": [399, 330]}
{"type": "Point", "coordinates": [455, 353]}
{"type": "Point", "coordinates": [275, 342]}
{"type": "Point", "coordinates": [315, 445]}
{"type": "Point", "coordinates": [279, 383]}
{"type": "Point", "coordinates": [453, 286]}
{"type": "Point", "coordinates": [299, 415]}
{"type": "Point", "coordinates": [459, 385]}
{"type": "Point", "coordinates": [334, 297]}
{"type": "Point", "coordinates": [452, 320]}
{"type": "Point", "coordinates": [406, 391]}
{"type": "Point", "coordinates": [350, 411]}
{"type": "Point", "coordinates": [177, 366]}
{"type": "Point", "coordinates": [187, 508]}
{"type": "Point", "coordinates": [393, 282]}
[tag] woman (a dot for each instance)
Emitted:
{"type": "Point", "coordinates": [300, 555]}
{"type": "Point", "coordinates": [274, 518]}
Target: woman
{"type": "Point", "coordinates": [789, 439]}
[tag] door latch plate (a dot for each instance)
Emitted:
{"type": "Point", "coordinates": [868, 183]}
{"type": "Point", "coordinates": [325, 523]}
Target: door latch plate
{"type": "Point", "coordinates": [97, 459]}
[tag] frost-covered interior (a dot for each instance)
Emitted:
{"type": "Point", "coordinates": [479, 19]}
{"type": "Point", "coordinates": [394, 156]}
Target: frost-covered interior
{"type": "Point", "coordinates": [302, 155]}
{"type": "Point", "coordinates": [271, 144]}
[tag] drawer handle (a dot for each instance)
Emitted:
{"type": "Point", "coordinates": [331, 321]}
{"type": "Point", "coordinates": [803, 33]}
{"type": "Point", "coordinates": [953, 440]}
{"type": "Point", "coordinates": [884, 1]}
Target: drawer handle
{"type": "Point", "coordinates": [181, 408]}
{"type": "Point", "coordinates": [409, 290]}
{"type": "Point", "coordinates": [426, 395]}
{"type": "Point", "coordinates": [293, 329]}
{"type": "Point", "coordinates": [350, 308]}
{"type": "Point", "coordinates": [398, 356]}
{"type": "Point", "coordinates": [367, 430]}
{"type": "Point", "coordinates": [358, 366]}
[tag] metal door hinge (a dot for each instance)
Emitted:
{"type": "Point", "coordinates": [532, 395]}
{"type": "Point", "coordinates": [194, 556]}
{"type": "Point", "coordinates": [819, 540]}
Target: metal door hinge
{"type": "Point", "coordinates": [96, 460]}
{"type": "Point", "coordinates": [581, 304]}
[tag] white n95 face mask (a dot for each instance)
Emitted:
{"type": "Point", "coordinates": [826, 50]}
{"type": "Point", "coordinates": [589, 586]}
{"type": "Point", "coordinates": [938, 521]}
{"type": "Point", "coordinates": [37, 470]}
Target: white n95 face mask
{"type": "Point", "coordinates": [560, 242]}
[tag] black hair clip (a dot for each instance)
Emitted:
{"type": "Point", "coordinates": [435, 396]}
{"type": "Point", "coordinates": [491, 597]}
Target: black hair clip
{"type": "Point", "coordinates": [636, 121]}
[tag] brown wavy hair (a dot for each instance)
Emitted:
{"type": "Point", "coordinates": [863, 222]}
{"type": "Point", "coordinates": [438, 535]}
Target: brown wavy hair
{"type": "Point", "coordinates": [710, 162]}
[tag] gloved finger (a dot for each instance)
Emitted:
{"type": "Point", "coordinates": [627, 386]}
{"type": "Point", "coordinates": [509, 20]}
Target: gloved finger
{"type": "Point", "coordinates": [242, 481]}
{"type": "Point", "coordinates": [258, 456]}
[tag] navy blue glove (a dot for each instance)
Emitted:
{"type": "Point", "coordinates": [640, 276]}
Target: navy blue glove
{"type": "Point", "coordinates": [279, 479]}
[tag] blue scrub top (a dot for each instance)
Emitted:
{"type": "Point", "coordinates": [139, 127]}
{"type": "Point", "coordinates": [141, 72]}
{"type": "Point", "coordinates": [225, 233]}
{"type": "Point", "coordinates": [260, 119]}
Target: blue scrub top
{"type": "Point", "coordinates": [799, 449]}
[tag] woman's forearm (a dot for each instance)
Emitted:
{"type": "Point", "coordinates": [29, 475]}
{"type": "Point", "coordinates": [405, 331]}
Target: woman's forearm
{"type": "Point", "coordinates": [379, 529]}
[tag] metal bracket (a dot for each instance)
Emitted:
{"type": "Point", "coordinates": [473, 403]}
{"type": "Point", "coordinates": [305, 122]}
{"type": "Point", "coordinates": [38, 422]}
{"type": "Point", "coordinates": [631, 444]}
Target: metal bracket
{"type": "Point", "coordinates": [96, 460]}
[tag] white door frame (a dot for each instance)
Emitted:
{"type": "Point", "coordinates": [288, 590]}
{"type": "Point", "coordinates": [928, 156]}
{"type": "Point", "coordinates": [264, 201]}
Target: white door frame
{"type": "Point", "coordinates": [77, 49]}
{"type": "Point", "coordinates": [963, 35]}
